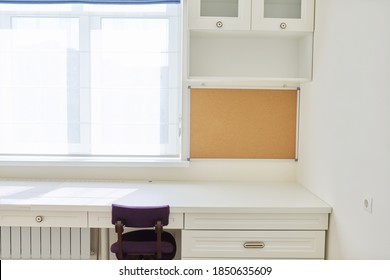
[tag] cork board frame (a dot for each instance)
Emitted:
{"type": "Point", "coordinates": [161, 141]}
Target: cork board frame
{"type": "Point", "coordinates": [243, 123]}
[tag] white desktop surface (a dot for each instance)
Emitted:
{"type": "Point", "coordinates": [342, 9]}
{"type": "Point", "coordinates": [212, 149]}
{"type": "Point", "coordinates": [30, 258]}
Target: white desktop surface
{"type": "Point", "coordinates": [191, 196]}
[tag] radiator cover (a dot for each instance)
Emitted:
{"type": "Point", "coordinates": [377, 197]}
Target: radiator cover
{"type": "Point", "coordinates": [45, 243]}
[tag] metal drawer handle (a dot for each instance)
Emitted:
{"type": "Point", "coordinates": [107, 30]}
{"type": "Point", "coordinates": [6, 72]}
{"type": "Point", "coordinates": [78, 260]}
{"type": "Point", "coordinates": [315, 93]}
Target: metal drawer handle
{"type": "Point", "coordinates": [38, 219]}
{"type": "Point", "coordinates": [219, 24]}
{"type": "Point", "coordinates": [283, 25]}
{"type": "Point", "coordinates": [254, 245]}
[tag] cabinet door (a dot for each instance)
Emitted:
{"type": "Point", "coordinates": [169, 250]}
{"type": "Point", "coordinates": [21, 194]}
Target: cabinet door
{"type": "Point", "coordinates": [283, 15]}
{"type": "Point", "coordinates": [219, 14]}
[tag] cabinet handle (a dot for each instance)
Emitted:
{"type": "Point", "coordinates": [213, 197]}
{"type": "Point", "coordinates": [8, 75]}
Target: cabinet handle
{"type": "Point", "coordinates": [38, 219]}
{"type": "Point", "coordinates": [254, 245]}
{"type": "Point", "coordinates": [219, 24]}
{"type": "Point", "coordinates": [283, 25]}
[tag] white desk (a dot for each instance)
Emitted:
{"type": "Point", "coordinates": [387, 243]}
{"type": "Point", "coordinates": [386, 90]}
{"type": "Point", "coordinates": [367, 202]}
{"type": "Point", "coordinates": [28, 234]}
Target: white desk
{"type": "Point", "coordinates": [216, 219]}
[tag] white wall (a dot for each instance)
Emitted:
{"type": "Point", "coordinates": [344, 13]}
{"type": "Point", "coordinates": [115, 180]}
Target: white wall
{"type": "Point", "coordinates": [345, 125]}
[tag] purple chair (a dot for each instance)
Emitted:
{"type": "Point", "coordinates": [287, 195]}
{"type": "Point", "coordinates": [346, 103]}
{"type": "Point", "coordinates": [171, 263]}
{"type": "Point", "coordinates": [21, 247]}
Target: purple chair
{"type": "Point", "coordinates": [145, 243]}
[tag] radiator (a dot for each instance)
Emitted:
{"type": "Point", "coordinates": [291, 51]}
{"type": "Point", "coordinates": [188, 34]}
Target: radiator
{"type": "Point", "coordinates": [44, 243]}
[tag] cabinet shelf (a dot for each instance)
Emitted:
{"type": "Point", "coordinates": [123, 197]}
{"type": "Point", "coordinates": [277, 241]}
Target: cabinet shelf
{"type": "Point", "coordinates": [245, 82]}
{"type": "Point", "coordinates": [250, 56]}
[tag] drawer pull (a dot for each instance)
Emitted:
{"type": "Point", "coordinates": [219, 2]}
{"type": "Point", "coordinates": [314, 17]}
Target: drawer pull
{"type": "Point", "coordinates": [254, 245]}
{"type": "Point", "coordinates": [38, 219]}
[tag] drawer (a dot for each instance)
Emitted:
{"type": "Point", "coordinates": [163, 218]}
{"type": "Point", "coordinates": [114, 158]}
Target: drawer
{"type": "Point", "coordinates": [43, 218]}
{"type": "Point", "coordinates": [253, 244]}
{"type": "Point", "coordinates": [253, 221]}
{"type": "Point", "coordinates": [103, 220]}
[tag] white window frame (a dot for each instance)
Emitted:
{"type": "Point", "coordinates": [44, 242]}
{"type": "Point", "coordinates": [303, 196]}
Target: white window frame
{"type": "Point", "coordinates": [75, 160]}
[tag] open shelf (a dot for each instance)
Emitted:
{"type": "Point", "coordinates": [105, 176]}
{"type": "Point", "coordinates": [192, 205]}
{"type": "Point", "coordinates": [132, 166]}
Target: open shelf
{"type": "Point", "coordinates": [249, 56]}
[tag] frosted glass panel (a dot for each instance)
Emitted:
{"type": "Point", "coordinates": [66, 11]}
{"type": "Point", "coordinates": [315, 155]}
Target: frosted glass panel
{"type": "Point", "coordinates": [282, 8]}
{"type": "Point", "coordinates": [219, 8]}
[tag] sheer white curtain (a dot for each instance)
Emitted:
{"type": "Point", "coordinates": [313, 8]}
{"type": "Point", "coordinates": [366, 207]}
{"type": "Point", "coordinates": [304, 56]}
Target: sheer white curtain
{"type": "Point", "coordinates": [90, 80]}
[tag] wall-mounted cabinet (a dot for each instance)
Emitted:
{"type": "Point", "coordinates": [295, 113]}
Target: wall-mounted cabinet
{"type": "Point", "coordinates": [283, 15]}
{"type": "Point", "coordinates": [220, 14]}
{"type": "Point", "coordinates": [249, 41]}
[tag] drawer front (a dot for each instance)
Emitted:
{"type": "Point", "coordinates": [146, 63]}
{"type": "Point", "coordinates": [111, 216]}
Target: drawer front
{"type": "Point", "coordinates": [253, 244]}
{"type": "Point", "coordinates": [44, 218]}
{"type": "Point", "coordinates": [256, 221]}
{"type": "Point", "coordinates": [103, 220]}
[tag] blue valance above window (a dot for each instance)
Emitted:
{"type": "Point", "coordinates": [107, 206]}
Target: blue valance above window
{"type": "Point", "coordinates": [126, 2]}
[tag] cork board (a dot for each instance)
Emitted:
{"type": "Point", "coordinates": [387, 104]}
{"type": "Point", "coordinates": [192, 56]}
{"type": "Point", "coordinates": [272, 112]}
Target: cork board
{"type": "Point", "coordinates": [243, 123]}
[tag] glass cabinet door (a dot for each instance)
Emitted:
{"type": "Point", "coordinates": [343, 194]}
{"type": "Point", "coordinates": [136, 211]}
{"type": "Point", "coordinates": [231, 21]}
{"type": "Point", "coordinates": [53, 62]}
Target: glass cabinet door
{"type": "Point", "coordinates": [219, 8]}
{"type": "Point", "coordinates": [219, 14]}
{"type": "Point", "coordinates": [282, 9]}
{"type": "Point", "coordinates": [283, 15]}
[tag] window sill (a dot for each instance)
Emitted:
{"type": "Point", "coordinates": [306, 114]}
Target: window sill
{"type": "Point", "coordinates": [91, 161]}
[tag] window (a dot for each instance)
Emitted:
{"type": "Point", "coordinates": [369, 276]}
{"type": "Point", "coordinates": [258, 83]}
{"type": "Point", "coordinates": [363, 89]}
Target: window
{"type": "Point", "coordinates": [79, 80]}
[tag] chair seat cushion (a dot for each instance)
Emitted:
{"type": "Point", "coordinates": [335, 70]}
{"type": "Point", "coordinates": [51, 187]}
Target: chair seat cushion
{"type": "Point", "coordinates": [143, 242]}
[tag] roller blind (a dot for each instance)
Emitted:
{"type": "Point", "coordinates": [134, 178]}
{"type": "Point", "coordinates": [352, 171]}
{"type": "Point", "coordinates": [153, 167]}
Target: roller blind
{"type": "Point", "coordinates": [90, 80]}
{"type": "Point", "coordinates": [117, 2]}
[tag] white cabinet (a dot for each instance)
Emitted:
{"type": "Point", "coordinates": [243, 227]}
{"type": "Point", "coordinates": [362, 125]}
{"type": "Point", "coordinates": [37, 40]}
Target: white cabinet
{"type": "Point", "coordinates": [254, 235]}
{"type": "Point", "coordinates": [249, 42]}
{"type": "Point", "coordinates": [283, 15]}
{"type": "Point", "coordinates": [267, 15]}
